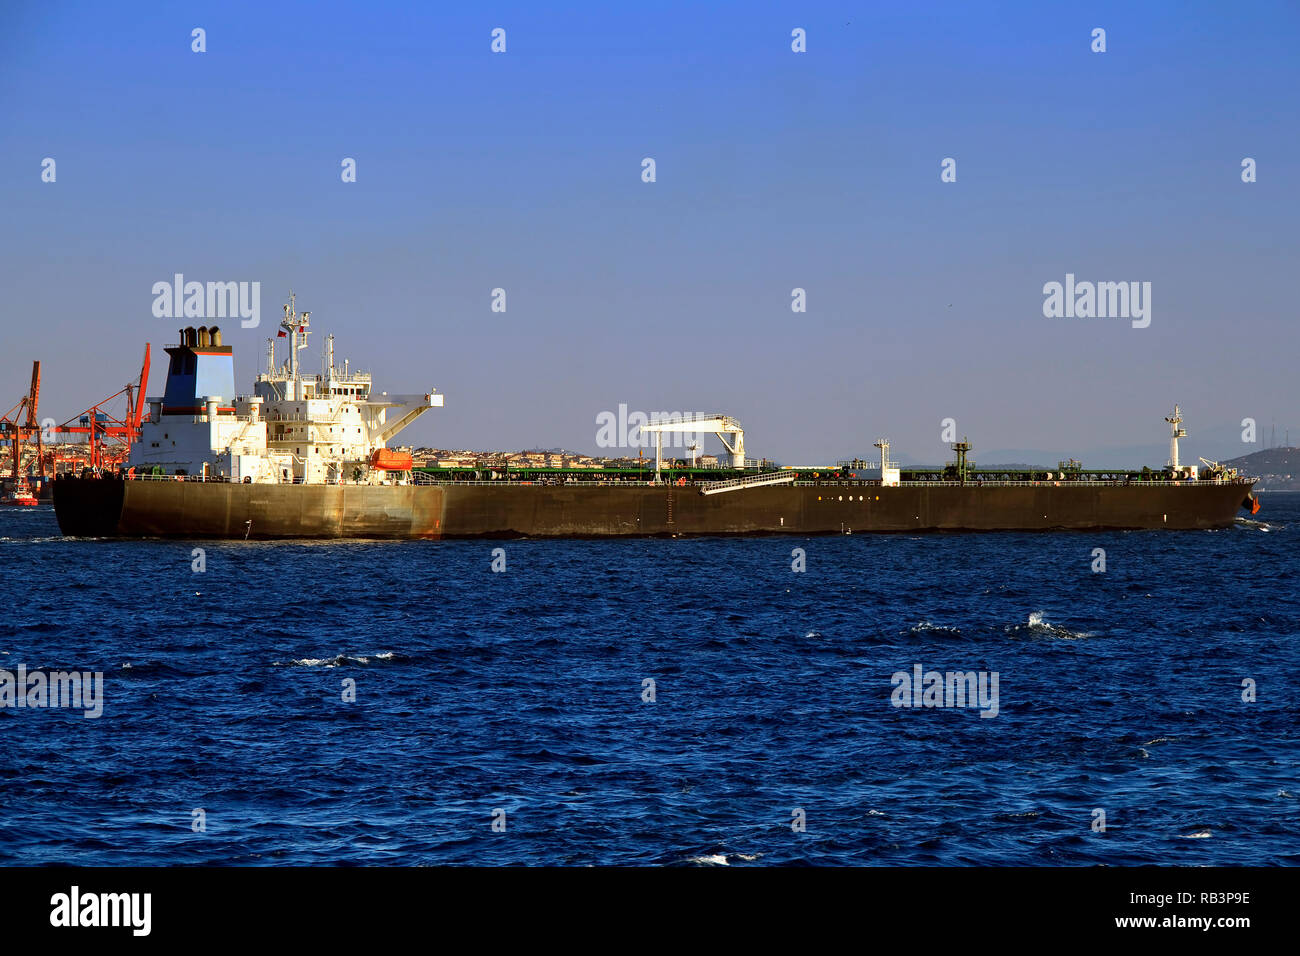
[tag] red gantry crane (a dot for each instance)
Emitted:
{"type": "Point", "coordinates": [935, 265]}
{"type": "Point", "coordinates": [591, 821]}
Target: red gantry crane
{"type": "Point", "coordinates": [14, 427]}
{"type": "Point", "coordinates": [109, 438]}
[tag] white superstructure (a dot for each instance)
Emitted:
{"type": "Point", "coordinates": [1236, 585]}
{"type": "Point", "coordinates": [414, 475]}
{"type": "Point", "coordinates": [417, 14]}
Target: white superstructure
{"type": "Point", "coordinates": [314, 428]}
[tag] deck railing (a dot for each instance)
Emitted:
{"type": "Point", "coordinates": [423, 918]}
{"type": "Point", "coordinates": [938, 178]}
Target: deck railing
{"type": "Point", "coordinates": [423, 479]}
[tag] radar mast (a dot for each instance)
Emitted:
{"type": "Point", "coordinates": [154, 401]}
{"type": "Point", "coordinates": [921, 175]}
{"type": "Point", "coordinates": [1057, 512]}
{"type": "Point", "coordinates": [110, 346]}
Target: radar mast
{"type": "Point", "coordinates": [1175, 432]}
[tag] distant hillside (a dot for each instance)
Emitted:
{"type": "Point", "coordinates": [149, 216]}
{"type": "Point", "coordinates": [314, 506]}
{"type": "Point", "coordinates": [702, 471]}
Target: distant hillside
{"type": "Point", "coordinates": [1278, 469]}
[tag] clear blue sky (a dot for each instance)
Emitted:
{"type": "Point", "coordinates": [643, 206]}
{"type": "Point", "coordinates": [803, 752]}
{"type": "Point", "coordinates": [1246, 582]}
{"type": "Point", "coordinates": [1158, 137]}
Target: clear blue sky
{"type": "Point", "coordinates": [775, 170]}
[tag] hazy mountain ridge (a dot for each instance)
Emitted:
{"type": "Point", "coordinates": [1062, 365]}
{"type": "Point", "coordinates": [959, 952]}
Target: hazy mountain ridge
{"type": "Point", "coordinates": [1278, 469]}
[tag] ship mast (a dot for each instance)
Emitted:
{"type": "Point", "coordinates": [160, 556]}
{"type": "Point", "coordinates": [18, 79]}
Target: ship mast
{"type": "Point", "coordinates": [295, 324]}
{"type": "Point", "coordinates": [889, 473]}
{"type": "Point", "coordinates": [883, 445]}
{"type": "Point", "coordinates": [1175, 433]}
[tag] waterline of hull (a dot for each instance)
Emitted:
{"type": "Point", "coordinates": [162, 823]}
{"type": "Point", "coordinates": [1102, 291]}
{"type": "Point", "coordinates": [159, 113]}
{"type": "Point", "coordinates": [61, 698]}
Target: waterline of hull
{"type": "Point", "coordinates": [116, 508]}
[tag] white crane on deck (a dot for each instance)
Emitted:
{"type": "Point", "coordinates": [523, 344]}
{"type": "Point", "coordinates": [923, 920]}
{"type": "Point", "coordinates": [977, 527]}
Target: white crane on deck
{"type": "Point", "coordinates": [720, 425]}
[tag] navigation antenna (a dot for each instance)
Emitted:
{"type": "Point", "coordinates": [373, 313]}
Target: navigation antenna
{"type": "Point", "coordinates": [1175, 433]}
{"type": "Point", "coordinates": [883, 445]}
{"type": "Point", "coordinates": [295, 324]}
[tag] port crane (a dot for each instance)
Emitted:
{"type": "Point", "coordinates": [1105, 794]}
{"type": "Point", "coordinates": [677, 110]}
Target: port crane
{"type": "Point", "coordinates": [109, 438]}
{"type": "Point", "coordinates": [18, 424]}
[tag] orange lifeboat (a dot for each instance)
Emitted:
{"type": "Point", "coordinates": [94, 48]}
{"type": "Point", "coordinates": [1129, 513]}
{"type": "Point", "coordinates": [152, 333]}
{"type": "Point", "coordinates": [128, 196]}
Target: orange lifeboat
{"type": "Point", "coordinates": [387, 460]}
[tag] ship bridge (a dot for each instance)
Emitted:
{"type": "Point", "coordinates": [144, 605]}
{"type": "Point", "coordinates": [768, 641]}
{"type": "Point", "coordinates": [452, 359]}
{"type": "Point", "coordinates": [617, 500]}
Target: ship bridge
{"type": "Point", "coordinates": [324, 428]}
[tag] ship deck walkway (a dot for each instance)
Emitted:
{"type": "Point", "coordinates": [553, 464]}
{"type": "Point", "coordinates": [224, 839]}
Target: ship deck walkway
{"type": "Point", "coordinates": [749, 481]}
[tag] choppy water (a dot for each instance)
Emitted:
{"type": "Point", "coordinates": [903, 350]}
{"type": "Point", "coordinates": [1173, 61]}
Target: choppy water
{"type": "Point", "coordinates": [522, 691]}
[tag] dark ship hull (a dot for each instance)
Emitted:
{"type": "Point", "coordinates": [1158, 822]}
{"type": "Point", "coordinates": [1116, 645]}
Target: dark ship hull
{"type": "Point", "coordinates": [113, 507]}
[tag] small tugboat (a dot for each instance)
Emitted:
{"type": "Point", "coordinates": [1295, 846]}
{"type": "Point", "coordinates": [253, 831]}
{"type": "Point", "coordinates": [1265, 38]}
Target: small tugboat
{"type": "Point", "coordinates": [21, 494]}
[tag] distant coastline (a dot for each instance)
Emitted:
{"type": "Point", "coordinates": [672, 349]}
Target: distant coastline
{"type": "Point", "coordinates": [1278, 469]}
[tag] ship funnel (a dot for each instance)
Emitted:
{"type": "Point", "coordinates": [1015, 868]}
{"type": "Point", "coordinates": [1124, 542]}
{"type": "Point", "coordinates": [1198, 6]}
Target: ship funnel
{"type": "Point", "coordinates": [197, 371]}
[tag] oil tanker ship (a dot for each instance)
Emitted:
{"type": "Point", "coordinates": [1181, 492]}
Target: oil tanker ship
{"type": "Point", "coordinates": [306, 456]}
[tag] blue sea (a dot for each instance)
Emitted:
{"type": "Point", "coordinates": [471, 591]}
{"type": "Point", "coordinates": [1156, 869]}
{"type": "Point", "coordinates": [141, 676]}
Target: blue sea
{"type": "Point", "coordinates": [662, 702]}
